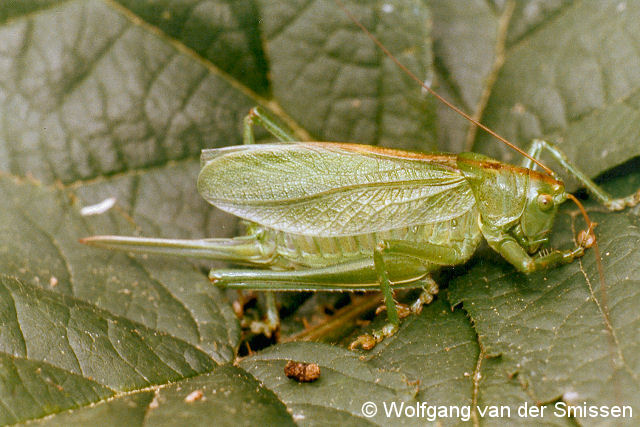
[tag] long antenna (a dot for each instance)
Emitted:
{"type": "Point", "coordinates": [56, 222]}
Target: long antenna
{"type": "Point", "coordinates": [433, 92]}
{"type": "Point", "coordinates": [588, 234]}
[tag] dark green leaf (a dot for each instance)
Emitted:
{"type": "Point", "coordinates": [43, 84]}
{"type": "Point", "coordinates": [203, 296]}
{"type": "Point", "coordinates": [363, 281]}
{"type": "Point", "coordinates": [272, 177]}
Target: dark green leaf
{"type": "Point", "coordinates": [31, 389]}
{"type": "Point", "coordinates": [560, 332]}
{"type": "Point", "coordinates": [224, 32]}
{"type": "Point", "coordinates": [226, 397]}
{"type": "Point", "coordinates": [111, 96]}
{"type": "Point", "coordinates": [574, 79]}
{"type": "Point", "coordinates": [337, 84]}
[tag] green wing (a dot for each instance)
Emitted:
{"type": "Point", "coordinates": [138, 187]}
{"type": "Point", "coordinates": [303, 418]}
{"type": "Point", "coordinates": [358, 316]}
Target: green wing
{"type": "Point", "coordinates": [332, 189]}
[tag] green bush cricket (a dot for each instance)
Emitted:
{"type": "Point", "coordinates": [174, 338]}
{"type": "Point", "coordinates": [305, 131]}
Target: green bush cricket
{"type": "Point", "coordinates": [347, 217]}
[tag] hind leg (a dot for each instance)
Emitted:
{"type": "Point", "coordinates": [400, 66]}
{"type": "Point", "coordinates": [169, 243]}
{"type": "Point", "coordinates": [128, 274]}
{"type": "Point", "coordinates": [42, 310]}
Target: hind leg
{"type": "Point", "coordinates": [368, 273]}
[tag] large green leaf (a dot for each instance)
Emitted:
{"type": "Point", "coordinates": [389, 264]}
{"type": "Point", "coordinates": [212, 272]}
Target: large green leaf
{"type": "Point", "coordinates": [113, 100]}
{"type": "Point", "coordinates": [336, 83]}
{"type": "Point", "coordinates": [574, 79]}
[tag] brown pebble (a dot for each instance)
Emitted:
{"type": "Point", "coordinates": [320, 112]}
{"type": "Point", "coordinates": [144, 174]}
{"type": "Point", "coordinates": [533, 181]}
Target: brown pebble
{"type": "Point", "coordinates": [302, 372]}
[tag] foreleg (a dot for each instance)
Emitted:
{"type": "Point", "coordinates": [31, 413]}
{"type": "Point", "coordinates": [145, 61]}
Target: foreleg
{"type": "Point", "coordinates": [611, 203]}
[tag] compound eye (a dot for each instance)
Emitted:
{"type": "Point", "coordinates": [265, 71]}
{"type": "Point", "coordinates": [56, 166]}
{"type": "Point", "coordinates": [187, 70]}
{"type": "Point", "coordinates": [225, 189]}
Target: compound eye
{"type": "Point", "coordinates": [545, 202]}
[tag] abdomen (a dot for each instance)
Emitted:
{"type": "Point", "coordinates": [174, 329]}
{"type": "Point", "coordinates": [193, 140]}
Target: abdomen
{"type": "Point", "coordinates": [296, 250]}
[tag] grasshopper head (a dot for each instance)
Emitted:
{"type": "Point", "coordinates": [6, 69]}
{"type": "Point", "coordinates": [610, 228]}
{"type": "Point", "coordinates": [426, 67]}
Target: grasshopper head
{"type": "Point", "coordinates": [518, 200]}
{"type": "Point", "coordinates": [543, 197]}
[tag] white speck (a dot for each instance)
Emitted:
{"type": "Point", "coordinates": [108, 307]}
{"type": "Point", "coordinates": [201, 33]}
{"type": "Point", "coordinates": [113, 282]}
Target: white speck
{"type": "Point", "coordinates": [298, 417]}
{"type": "Point", "coordinates": [519, 108]}
{"type": "Point", "coordinates": [622, 6]}
{"type": "Point", "coordinates": [531, 11]}
{"type": "Point", "coordinates": [428, 82]}
{"type": "Point", "coordinates": [53, 281]}
{"type": "Point", "coordinates": [570, 396]}
{"type": "Point", "coordinates": [154, 403]}
{"type": "Point", "coordinates": [193, 396]}
{"type": "Point", "coordinates": [387, 8]}
{"type": "Point", "coordinates": [98, 208]}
